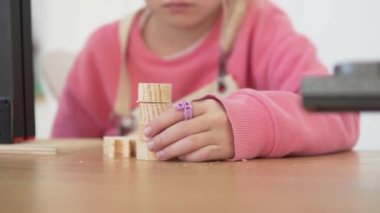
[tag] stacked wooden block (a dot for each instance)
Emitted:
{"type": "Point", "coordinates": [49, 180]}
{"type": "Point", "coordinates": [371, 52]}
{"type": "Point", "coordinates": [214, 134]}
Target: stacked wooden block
{"type": "Point", "coordinates": [153, 99]}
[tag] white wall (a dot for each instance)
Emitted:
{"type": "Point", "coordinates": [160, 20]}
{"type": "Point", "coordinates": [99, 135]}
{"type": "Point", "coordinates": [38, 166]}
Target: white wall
{"type": "Point", "coordinates": [341, 29]}
{"type": "Point", "coordinates": [66, 24]}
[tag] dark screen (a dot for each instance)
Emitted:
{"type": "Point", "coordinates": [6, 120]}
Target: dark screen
{"type": "Point", "coordinates": [6, 61]}
{"type": "Point", "coordinates": [16, 66]}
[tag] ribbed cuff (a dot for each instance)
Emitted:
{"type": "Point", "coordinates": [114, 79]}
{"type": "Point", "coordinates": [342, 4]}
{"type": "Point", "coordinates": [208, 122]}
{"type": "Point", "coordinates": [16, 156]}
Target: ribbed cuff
{"type": "Point", "coordinates": [252, 125]}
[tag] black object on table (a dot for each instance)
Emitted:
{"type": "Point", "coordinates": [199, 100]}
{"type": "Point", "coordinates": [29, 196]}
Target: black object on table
{"type": "Point", "coordinates": [6, 132]}
{"type": "Point", "coordinates": [353, 87]}
{"type": "Point", "coordinates": [16, 71]}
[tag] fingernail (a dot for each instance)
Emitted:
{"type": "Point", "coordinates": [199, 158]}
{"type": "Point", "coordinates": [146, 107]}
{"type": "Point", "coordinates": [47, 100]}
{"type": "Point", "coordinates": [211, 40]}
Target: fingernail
{"type": "Point", "coordinates": [147, 131]}
{"type": "Point", "coordinates": [150, 145]}
{"type": "Point", "coordinates": [160, 155]}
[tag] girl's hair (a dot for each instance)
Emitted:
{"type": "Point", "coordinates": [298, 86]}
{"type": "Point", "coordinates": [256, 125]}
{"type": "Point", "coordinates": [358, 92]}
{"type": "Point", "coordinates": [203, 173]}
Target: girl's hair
{"type": "Point", "coordinates": [234, 11]}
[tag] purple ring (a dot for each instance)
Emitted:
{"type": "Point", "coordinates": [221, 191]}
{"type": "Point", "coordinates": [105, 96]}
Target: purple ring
{"type": "Point", "coordinates": [187, 109]}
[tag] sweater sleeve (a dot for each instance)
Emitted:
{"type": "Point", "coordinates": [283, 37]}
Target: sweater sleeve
{"type": "Point", "coordinates": [84, 105]}
{"type": "Point", "coordinates": [269, 120]}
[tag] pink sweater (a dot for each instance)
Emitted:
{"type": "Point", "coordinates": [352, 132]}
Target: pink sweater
{"type": "Point", "coordinates": [268, 62]}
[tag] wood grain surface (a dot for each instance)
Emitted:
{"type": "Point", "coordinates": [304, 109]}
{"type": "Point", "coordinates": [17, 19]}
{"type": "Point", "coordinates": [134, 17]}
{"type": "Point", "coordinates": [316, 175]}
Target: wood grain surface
{"type": "Point", "coordinates": [150, 111]}
{"type": "Point", "coordinates": [85, 181]}
{"type": "Point", "coordinates": [154, 93]}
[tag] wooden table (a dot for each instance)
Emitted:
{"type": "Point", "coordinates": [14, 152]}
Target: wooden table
{"type": "Point", "coordinates": [84, 181]}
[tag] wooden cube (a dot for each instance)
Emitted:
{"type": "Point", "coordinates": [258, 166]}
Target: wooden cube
{"type": "Point", "coordinates": [118, 147]}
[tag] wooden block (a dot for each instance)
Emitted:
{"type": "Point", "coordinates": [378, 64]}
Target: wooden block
{"type": "Point", "coordinates": [118, 147]}
{"type": "Point", "coordinates": [132, 146]}
{"type": "Point", "coordinates": [154, 93]}
{"type": "Point", "coordinates": [150, 111]}
{"type": "Point", "coordinates": [48, 147]}
{"type": "Point", "coordinates": [143, 153]}
{"type": "Point", "coordinates": [153, 100]}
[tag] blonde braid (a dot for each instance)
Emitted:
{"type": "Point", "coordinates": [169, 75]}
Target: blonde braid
{"type": "Point", "coordinates": [234, 11]}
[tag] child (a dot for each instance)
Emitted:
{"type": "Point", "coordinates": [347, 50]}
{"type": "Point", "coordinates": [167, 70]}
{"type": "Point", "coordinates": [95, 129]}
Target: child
{"type": "Point", "coordinates": [187, 43]}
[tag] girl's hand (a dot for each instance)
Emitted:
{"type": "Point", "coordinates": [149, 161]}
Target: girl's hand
{"type": "Point", "coordinates": [206, 137]}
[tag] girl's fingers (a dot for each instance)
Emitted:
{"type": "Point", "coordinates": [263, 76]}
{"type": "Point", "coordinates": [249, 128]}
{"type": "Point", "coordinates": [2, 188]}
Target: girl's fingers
{"type": "Point", "coordinates": [177, 132]}
{"type": "Point", "coordinates": [168, 119]}
{"type": "Point", "coordinates": [207, 153]}
{"type": "Point", "coordinates": [184, 146]}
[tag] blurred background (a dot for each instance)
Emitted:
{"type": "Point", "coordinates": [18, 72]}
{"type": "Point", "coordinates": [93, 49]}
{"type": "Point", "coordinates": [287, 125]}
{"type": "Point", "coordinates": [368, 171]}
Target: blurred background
{"type": "Point", "coordinates": [342, 30]}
